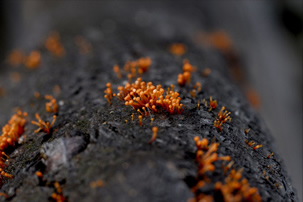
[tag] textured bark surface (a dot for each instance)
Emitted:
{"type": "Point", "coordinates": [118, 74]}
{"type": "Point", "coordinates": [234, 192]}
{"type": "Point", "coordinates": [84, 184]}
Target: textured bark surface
{"type": "Point", "coordinates": [92, 140]}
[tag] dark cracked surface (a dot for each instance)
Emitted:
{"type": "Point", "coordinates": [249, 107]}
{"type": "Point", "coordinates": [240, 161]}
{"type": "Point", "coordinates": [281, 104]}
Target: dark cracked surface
{"type": "Point", "coordinates": [92, 140]}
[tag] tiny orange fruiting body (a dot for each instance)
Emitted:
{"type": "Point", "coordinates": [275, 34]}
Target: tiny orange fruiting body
{"type": "Point", "coordinates": [206, 72]}
{"type": "Point", "coordinates": [193, 93]}
{"type": "Point", "coordinates": [246, 131]}
{"type": "Point", "coordinates": [268, 156]}
{"type": "Point", "coordinates": [187, 67]}
{"type": "Point", "coordinates": [53, 45]}
{"type": "Point", "coordinates": [52, 105]}
{"type": "Point", "coordinates": [33, 60]}
{"type": "Point", "coordinates": [16, 57]}
{"type": "Point", "coordinates": [109, 93]}
{"type": "Point", "coordinates": [224, 116]}
{"type": "Point", "coordinates": [218, 125]}
{"type": "Point", "coordinates": [39, 174]}
{"type": "Point", "coordinates": [257, 146]}
{"type": "Point", "coordinates": [98, 183]}
{"type": "Point", "coordinates": [140, 120]}
{"type": "Point", "coordinates": [197, 86]}
{"type": "Point", "coordinates": [44, 126]}
{"type": "Point", "coordinates": [212, 104]}
{"type": "Point", "coordinates": [177, 49]}
{"type": "Point", "coordinates": [117, 71]}
{"type": "Point", "coordinates": [149, 98]}
{"type": "Point", "coordinates": [151, 121]}
{"type": "Point", "coordinates": [155, 130]}
{"type": "Point", "coordinates": [206, 155]}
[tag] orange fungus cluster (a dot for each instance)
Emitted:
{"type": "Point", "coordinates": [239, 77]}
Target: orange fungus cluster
{"type": "Point", "coordinates": [206, 155]}
{"type": "Point", "coordinates": [54, 45]}
{"type": "Point", "coordinates": [220, 40]}
{"type": "Point", "coordinates": [97, 183]}
{"type": "Point", "coordinates": [237, 189]}
{"type": "Point", "coordinates": [186, 76]}
{"type": "Point", "coordinates": [44, 126]}
{"type": "Point", "coordinates": [177, 49]}
{"type": "Point", "coordinates": [52, 105]}
{"type": "Point", "coordinates": [109, 93]}
{"type": "Point", "coordinates": [13, 130]}
{"type": "Point", "coordinates": [155, 130]}
{"type": "Point", "coordinates": [223, 116]}
{"type": "Point", "coordinates": [58, 195]}
{"type": "Point", "coordinates": [10, 135]}
{"type": "Point", "coordinates": [145, 96]}
{"type": "Point", "coordinates": [33, 60]}
{"type": "Point", "coordinates": [16, 57]}
{"type": "Point", "coordinates": [134, 68]}
{"type": "Point", "coordinates": [212, 104]}
{"type": "Point", "coordinates": [117, 71]}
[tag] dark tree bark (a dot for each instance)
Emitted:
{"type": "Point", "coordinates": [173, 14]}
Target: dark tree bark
{"type": "Point", "coordinates": [91, 139]}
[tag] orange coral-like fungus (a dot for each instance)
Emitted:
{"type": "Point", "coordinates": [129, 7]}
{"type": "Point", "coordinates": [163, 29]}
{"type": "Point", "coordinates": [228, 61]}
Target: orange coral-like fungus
{"type": "Point", "coordinates": [268, 156]}
{"type": "Point", "coordinates": [58, 195]}
{"type": "Point", "coordinates": [117, 71]}
{"type": "Point", "coordinates": [155, 130]}
{"type": "Point", "coordinates": [144, 64]}
{"type": "Point", "coordinates": [257, 147]}
{"type": "Point", "coordinates": [220, 40]}
{"type": "Point", "coordinates": [54, 45]}
{"type": "Point", "coordinates": [223, 116]}
{"type": "Point", "coordinates": [197, 86]}
{"type": "Point", "coordinates": [206, 155]}
{"type": "Point", "coordinates": [206, 72]}
{"type": "Point", "coordinates": [246, 131]}
{"type": "Point", "coordinates": [138, 66]}
{"type": "Point", "coordinates": [237, 190]}
{"type": "Point", "coordinates": [33, 60]}
{"type": "Point", "coordinates": [13, 130]}
{"type": "Point", "coordinates": [109, 93]}
{"type": "Point", "coordinates": [39, 174]}
{"type": "Point", "coordinates": [187, 67]}
{"type": "Point", "coordinates": [16, 58]}
{"type": "Point", "coordinates": [184, 78]}
{"type": "Point", "coordinates": [177, 49]}
{"type": "Point", "coordinates": [44, 126]}
{"type": "Point", "coordinates": [140, 120]}
{"type": "Point", "coordinates": [218, 125]}
{"type": "Point", "coordinates": [206, 159]}
{"type": "Point", "coordinates": [10, 135]}
{"type": "Point", "coordinates": [98, 183]}
{"type": "Point", "coordinates": [212, 104]}
{"type": "Point", "coordinates": [139, 95]}
{"type": "Point", "coordinates": [52, 105]}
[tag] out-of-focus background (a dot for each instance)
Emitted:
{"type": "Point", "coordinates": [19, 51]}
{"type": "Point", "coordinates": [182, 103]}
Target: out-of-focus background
{"type": "Point", "coordinates": [267, 37]}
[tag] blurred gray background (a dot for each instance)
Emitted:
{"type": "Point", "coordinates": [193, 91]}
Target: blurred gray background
{"type": "Point", "coordinates": [267, 36]}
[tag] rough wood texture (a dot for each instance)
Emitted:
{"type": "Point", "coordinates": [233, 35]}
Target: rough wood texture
{"type": "Point", "coordinates": [93, 142]}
